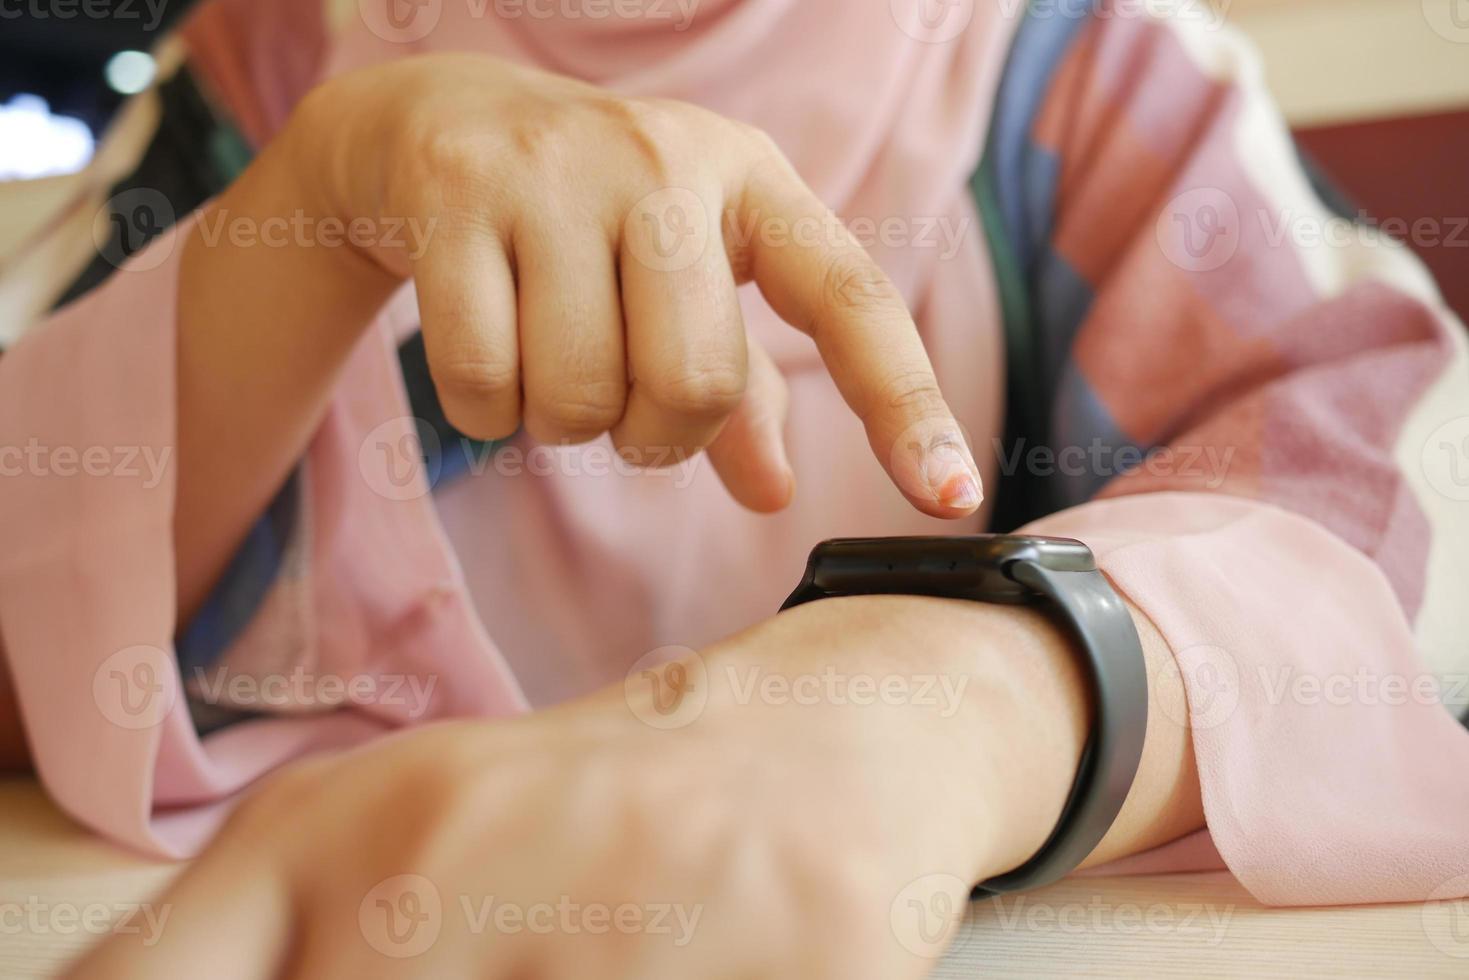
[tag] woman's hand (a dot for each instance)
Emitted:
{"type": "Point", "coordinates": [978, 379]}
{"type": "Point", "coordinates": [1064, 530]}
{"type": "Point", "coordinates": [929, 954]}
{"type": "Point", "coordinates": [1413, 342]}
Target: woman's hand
{"type": "Point", "coordinates": [576, 255]}
{"type": "Point", "coordinates": [581, 847]}
{"type": "Point", "coordinates": [811, 799]}
{"type": "Point", "coordinates": [580, 256]}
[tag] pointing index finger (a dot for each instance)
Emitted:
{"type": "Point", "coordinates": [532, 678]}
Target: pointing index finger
{"type": "Point", "coordinates": [827, 286]}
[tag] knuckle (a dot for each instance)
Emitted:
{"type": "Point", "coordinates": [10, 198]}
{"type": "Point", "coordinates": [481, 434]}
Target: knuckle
{"type": "Point", "coordinates": [702, 392]}
{"type": "Point", "coordinates": [853, 283]}
{"type": "Point", "coordinates": [586, 409]}
{"type": "Point", "coordinates": [541, 140]}
{"type": "Point", "coordinates": [443, 171]}
{"type": "Point", "coordinates": [914, 393]}
{"type": "Point", "coordinates": [449, 154]}
{"type": "Point", "coordinates": [476, 375]}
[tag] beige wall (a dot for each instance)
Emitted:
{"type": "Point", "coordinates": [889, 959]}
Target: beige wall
{"type": "Point", "coordinates": [1341, 60]}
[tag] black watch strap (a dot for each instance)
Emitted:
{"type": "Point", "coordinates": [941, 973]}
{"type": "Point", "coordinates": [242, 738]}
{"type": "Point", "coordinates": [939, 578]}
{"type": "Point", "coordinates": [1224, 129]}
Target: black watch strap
{"type": "Point", "coordinates": [1100, 620]}
{"type": "Point", "coordinates": [1017, 569]}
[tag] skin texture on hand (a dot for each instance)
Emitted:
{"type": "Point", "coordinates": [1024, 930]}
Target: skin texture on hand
{"type": "Point", "coordinates": [801, 821]}
{"type": "Point", "coordinates": [576, 268]}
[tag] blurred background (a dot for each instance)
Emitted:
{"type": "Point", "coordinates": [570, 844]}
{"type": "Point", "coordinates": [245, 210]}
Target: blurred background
{"type": "Point", "coordinates": [76, 60]}
{"type": "Point", "coordinates": [1377, 92]}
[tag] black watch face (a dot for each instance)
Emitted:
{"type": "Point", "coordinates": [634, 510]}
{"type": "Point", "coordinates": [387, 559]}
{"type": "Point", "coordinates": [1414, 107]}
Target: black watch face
{"type": "Point", "coordinates": [963, 566]}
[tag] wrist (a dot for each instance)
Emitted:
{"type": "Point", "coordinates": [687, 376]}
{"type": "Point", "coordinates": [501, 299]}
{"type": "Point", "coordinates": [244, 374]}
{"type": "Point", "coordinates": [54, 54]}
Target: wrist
{"type": "Point", "coordinates": [960, 724]}
{"type": "Point", "coordinates": [339, 147]}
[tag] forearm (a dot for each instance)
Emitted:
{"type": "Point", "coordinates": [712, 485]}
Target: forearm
{"type": "Point", "coordinates": [264, 328]}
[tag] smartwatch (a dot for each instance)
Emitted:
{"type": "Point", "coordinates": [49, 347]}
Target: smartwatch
{"type": "Point", "coordinates": [1016, 570]}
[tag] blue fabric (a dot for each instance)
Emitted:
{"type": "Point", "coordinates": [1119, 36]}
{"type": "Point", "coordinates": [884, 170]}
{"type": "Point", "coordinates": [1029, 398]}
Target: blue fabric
{"type": "Point", "coordinates": [1054, 417]}
{"type": "Point", "coordinates": [1024, 174]}
{"type": "Point", "coordinates": [1083, 422]}
{"type": "Point", "coordinates": [245, 583]}
{"type": "Point", "coordinates": [1060, 302]}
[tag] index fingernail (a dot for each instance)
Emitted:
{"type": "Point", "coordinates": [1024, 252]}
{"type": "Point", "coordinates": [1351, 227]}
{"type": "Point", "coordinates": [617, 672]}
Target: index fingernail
{"type": "Point", "coordinates": [961, 494]}
{"type": "Point", "coordinates": [951, 478]}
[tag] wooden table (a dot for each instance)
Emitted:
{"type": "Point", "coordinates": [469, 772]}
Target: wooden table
{"type": "Point", "coordinates": [54, 877]}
